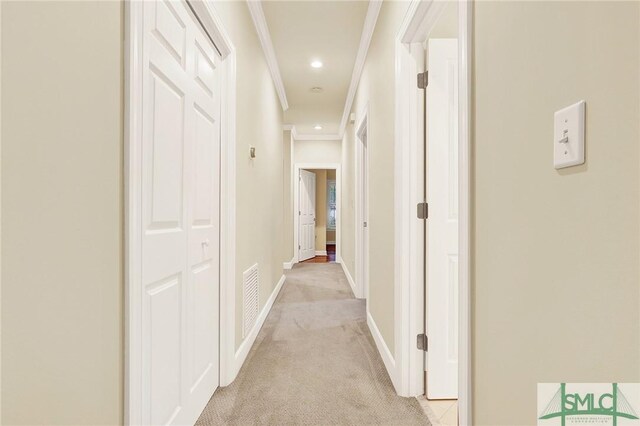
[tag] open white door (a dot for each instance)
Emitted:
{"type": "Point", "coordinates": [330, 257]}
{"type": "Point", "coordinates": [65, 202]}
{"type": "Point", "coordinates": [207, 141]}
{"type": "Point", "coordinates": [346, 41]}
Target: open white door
{"type": "Point", "coordinates": [180, 170]}
{"type": "Point", "coordinates": [442, 233]}
{"type": "Point", "coordinates": [307, 215]}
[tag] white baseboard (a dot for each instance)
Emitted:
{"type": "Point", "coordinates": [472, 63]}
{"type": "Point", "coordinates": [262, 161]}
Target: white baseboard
{"type": "Point", "coordinates": [352, 283]}
{"type": "Point", "coordinates": [331, 242]}
{"type": "Point", "coordinates": [289, 265]}
{"type": "Point", "coordinates": [245, 347]}
{"type": "Point", "coordinates": [321, 252]}
{"type": "Point", "coordinates": [387, 358]}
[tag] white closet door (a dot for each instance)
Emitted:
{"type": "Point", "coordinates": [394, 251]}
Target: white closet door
{"type": "Point", "coordinates": [442, 241]}
{"type": "Point", "coordinates": [180, 214]}
{"type": "Point", "coordinates": [307, 215]}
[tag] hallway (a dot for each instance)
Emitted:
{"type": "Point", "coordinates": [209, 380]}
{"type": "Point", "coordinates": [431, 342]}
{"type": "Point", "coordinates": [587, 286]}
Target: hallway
{"type": "Point", "coordinates": [314, 362]}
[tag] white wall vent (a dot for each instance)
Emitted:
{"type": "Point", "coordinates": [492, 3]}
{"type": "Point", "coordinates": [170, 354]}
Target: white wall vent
{"type": "Point", "coordinates": [250, 281]}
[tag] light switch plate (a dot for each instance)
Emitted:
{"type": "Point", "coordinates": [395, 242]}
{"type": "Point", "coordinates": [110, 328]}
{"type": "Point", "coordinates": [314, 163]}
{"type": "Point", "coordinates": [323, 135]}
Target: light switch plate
{"type": "Point", "coordinates": [568, 136]}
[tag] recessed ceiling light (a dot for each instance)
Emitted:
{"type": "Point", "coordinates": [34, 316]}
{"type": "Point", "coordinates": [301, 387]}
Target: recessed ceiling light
{"type": "Point", "coordinates": [316, 64]}
{"type": "Point", "coordinates": [316, 90]}
{"type": "Point", "coordinates": [317, 127]}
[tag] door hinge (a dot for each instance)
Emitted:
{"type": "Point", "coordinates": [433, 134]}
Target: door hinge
{"type": "Point", "coordinates": [299, 247]}
{"type": "Point", "coordinates": [423, 210]}
{"type": "Point", "coordinates": [422, 341]}
{"type": "Point", "coordinates": [423, 80]}
{"type": "Point", "coordinates": [299, 212]}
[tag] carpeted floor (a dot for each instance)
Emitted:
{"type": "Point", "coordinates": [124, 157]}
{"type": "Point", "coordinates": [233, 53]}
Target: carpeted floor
{"type": "Point", "coordinates": [314, 363]}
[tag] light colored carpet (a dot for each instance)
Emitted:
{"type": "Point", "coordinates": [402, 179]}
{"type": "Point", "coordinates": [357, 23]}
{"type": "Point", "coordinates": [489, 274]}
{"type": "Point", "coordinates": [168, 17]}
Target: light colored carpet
{"type": "Point", "coordinates": [314, 363]}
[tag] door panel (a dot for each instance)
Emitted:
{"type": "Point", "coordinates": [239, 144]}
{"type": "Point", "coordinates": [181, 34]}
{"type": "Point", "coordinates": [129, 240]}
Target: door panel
{"type": "Point", "coordinates": [442, 225]}
{"type": "Point", "coordinates": [180, 212]}
{"type": "Point", "coordinates": [307, 215]}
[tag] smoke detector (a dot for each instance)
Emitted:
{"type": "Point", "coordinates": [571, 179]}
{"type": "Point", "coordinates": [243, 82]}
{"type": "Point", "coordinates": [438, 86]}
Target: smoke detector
{"type": "Point", "coordinates": [316, 90]}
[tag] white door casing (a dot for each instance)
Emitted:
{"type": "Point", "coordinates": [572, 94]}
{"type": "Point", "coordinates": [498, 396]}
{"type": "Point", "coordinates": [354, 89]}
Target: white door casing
{"type": "Point", "coordinates": [180, 215]}
{"type": "Point", "coordinates": [307, 215]}
{"type": "Point", "coordinates": [442, 225]}
{"type": "Point", "coordinates": [362, 208]}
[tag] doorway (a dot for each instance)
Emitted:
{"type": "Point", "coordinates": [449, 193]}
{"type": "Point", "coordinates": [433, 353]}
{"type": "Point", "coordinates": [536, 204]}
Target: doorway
{"type": "Point", "coordinates": [317, 212]}
{"type": "Point", "coordinates": [432, 146]}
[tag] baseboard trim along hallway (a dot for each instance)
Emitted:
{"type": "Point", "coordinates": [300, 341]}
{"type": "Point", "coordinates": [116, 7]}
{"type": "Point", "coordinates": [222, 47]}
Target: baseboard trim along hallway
{"type": "Point", "coordinates": [383, 349]}
{"type": "Point", "coordinates": [349, 277]}
{"type": "Point", "coordinates": [245, 347]}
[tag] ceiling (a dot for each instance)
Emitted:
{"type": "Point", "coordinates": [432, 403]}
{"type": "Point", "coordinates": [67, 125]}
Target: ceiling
{"type": "Point", "coordinates": [304, 31]}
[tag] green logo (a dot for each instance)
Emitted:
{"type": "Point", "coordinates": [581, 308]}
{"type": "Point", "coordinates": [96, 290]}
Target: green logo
{"type": "Point", "coordinates": [587, 404]}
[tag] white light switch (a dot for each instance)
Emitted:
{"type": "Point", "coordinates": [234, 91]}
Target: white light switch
{"type": "Point", "coordinates": [568, 136]}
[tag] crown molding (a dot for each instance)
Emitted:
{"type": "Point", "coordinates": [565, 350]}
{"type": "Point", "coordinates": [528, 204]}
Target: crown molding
{"type": "Point", "coordinates": [259, 21]}
{"type": "Point", "coordinates": [307, 137]}
{"type": "Point", "coordinates": [365, 40]}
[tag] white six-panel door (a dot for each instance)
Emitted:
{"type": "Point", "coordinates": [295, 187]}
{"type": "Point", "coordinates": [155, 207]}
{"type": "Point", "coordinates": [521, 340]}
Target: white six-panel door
{"type": "Point", "coordinates": [442, 240]}
{"type": "Point", "coordinates": [180, 215]}
{"type": "Point", "coordinates": [307, 215]}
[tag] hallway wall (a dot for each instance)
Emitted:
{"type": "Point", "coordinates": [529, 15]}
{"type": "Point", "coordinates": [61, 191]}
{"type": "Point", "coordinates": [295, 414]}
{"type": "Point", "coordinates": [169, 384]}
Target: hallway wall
{"type": "Point", "coordinates": [260, 199]}
{"type": "Point", "coordinates": [62, 213]}
{"type": "Point", "coordinates": [317, 151]}
{"type": "Point", "coordinates": [287, 188]}
{"type": "Point", "coordinates": [556, 280]}
{"type": "Point", "coordinates": [347, 202]}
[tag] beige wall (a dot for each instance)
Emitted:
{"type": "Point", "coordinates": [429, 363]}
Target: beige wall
{"type": "Point", "coordinates": [287, 188]}
{"type": "Point", "coordinates": [62, 213]}
{"type": "Point", "coordinates": [556, 284]}
{"type": "Point", "coordinates": [259, 237]}
{"type": "Point", "coordinates": [377, 89]}
{"type": "Point", "coordinates": [347, 202]}
{"type": "Point", "coordinates": [317, 151]}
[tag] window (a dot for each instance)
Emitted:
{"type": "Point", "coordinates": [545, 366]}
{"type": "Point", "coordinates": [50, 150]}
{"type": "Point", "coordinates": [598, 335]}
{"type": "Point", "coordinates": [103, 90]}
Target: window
{"type": "Point", "coordinates": [331, 205]}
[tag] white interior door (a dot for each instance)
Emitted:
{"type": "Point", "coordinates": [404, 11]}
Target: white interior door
{"type": "Point", "coordinates": [180, 215]}
{"type": "Point", "coordinates": [442, 231]}
{"type": "Point", "coordinates": [307, 215]}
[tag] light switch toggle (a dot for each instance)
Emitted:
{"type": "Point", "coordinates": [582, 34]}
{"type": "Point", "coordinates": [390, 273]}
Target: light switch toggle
{"type": "Point", "coordinates": [565, 138]}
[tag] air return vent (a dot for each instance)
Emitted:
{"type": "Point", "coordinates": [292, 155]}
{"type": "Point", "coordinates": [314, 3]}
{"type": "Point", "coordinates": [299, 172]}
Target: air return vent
{"type": "Point", "coordinates": [250, 281]}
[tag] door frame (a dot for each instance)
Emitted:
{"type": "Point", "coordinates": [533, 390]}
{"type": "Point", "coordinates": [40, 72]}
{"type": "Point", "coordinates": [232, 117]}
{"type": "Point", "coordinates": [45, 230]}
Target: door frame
{"type": "Point", "coordinates": [414, 31]}
{"type": "Point", "coordinates": [296, 199]}
{"type": "Point", "coordinates": [362, 252]}
{"type": "Point", "coordinates": [133, 75]}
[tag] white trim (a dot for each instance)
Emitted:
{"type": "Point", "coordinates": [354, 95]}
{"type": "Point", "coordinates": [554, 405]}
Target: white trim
{"type": "Point", "coordinates": [421, 16]}
{"type": "Point", "coordinates": [365, 40]}
{"type": "Point", "coordinates": [289, 265]}
{"type": "Point", "coordinates": [133, 123]}
{"type": "Point", "coordinates": [465, 377]}
{"type": "Point", "coordinates": [321, 252]}
{"type": "Point", "coordinates": [259, 21]}
{"type": "Point", "coordinates": [0, 210]}
{"type": "Point", "coordinates": [242, 352]}
{"type": "Point", "coordinates": [296, 196]}
{"type": "Point", "coordinates": [361, 256]}
{"type": "Point", "coordinates": [383, 349]}
{"type": "Point", "coordinates": [133, 237]}
{"type": "Point", "coordinates": [331, 242]}
{"type": "Point", "coordinates": [347, 274]}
